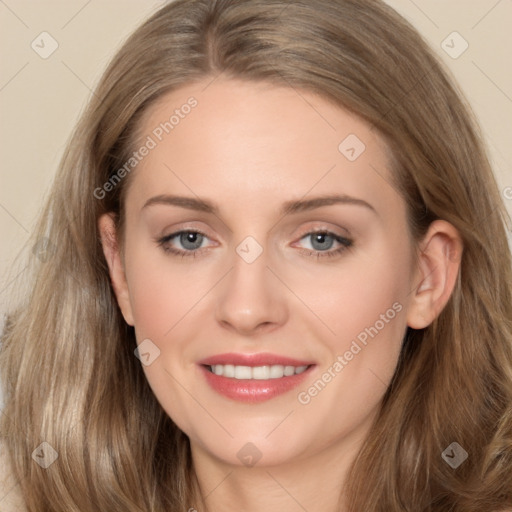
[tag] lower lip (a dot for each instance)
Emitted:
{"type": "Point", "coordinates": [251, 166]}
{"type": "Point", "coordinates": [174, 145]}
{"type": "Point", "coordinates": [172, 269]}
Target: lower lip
{"type": "Point", "coordinates": [253, 390]}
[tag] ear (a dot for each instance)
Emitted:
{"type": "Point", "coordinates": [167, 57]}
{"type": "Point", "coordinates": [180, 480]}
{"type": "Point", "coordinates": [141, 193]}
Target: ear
{"type": "Point", "coordinates": [439, 262]}
{"type": "Point", "coordinates": [106, 226]}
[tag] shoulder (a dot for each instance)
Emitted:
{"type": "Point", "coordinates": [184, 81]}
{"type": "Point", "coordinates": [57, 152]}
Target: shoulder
{"type": "Point", "coordinates": [11, 499]}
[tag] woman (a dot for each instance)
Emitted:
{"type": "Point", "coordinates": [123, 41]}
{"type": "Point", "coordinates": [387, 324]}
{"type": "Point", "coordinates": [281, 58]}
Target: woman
{"type": "Point", "coordinates": [192, 344]}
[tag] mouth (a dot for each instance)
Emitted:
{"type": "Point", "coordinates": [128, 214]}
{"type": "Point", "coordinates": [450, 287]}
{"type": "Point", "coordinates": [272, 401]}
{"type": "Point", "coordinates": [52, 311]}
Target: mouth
{"type": "Point", "coordinates": [254, 378]}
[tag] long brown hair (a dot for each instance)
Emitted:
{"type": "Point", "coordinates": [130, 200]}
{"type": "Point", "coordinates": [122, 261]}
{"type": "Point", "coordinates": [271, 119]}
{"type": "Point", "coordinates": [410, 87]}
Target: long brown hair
{"type": "Point", "coordinates": [69, 374]}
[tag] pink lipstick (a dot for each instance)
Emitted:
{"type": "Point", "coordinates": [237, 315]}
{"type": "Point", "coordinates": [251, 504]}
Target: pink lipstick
{"type": "Point", "coordinates": [253, 378]}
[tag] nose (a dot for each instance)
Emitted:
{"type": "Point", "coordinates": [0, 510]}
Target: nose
{"type": "Point", "coordinates": [251, 299]}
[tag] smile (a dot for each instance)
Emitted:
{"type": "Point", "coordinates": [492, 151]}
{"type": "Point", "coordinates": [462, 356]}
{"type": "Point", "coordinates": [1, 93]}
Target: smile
{"type": "Point", "coordinates": [255, 372]}
{"type": "Point", "coordinates": [254, 378]}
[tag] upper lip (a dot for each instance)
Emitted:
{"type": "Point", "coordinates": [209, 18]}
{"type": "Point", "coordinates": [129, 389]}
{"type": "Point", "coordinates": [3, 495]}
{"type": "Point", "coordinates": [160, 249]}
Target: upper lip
{"type": "Point", "coordinates": [262, 359]}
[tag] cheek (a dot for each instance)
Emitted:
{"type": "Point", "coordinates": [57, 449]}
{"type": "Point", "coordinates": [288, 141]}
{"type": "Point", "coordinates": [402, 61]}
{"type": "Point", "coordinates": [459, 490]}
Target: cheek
{"type": "Point", "coordinates": [165, 297]}
{"type": "Point", "coordinates": [161, 291]}
{"type": "Point", "coordinates": [362, 307]}
{"type": "Point", "coordinates": [362, 290]}
{"type": "Point", "coordinates": [366, 312]}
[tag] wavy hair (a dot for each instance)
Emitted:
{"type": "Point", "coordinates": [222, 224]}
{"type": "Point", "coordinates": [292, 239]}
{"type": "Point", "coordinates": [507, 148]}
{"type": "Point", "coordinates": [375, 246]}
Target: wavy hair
{"type": "Point", "coordinates": [67, 365]}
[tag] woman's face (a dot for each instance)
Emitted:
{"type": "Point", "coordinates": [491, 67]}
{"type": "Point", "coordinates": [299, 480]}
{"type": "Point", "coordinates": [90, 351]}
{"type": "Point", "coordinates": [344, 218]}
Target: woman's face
{"type": "Point", "coordinates": [224, 269]}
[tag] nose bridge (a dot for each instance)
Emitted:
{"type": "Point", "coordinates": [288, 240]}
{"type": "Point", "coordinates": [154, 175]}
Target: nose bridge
{"type": "Point", "coordinates": [250, 267]}
{"type": "Point", "coordinates": [250, 295]}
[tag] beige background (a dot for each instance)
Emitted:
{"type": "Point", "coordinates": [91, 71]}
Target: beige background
{"type": "Point", "coordinates": [41, 99]}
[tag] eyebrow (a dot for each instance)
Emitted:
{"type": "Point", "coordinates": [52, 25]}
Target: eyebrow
{"type": "Point", "coordinates": [289, 207]}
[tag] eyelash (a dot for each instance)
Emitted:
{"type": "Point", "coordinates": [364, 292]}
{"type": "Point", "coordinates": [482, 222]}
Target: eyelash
{"type": "Point", "coordinates": [346, 244]}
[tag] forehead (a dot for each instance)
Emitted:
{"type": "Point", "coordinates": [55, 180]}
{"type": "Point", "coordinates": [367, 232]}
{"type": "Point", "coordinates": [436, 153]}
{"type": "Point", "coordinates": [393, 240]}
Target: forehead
{"type": "Point", "coordinates": [241, 141]}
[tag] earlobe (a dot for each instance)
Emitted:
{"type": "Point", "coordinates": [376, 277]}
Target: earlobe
{"type": "Point", "coordinates": [106, 226]}
{"type": "Point", "coordinates": [439, 261]}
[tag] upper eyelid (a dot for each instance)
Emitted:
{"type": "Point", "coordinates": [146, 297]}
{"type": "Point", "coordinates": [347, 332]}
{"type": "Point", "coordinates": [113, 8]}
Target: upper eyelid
{"type": "Point", "coordinates": [323, 227]}
{"type": "Point", "coordinates": [175, 234]}
{"type": "Point", "coordinates": [339, 239]}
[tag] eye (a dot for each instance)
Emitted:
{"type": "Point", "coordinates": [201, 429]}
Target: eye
{"type": "Point", "coordinates": [322, 241]}
{"type": "Point", "coordinates": [190, 241]}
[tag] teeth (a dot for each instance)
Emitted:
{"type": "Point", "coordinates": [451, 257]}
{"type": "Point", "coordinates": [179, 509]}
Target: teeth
{"type": "Point", "coordinates": [276, 371]}
{"type": "Point", "coordinates": [243, 372]}
{"type": "Point", "coordinates": [261, 372]}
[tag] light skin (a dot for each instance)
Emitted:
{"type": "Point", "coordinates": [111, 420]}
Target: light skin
{"type": "Point", "coordinates": [249, 148]}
